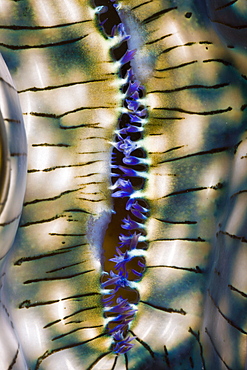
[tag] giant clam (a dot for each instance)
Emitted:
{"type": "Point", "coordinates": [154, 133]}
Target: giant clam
{"type": "Point", "coordinates": [135, 115]}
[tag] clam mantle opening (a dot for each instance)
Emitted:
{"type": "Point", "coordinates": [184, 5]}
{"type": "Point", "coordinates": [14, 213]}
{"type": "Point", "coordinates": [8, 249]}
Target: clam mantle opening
{"type": "Point", "coordinates": [125, 239]}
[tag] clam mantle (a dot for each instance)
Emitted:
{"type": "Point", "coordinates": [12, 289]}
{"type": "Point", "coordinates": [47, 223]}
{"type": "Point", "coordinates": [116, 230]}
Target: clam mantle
{"type": "Point", "coordinates": [190, 59]}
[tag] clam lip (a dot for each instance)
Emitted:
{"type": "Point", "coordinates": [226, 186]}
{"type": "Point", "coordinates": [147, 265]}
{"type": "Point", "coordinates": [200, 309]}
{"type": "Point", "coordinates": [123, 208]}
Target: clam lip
{"type": "Point", "coordinates": [13, 148]}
